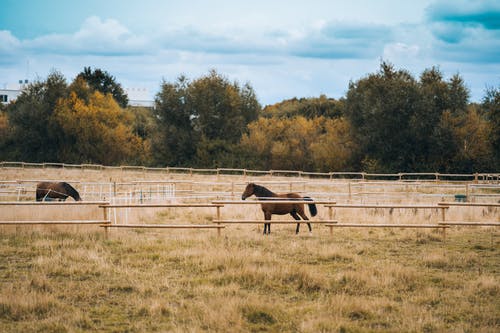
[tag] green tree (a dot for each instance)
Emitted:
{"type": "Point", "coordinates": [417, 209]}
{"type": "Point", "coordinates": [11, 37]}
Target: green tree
{"type": "Point", "coordinates": [437, 97]}
{"type": "Point", "coordinates": [201, 122]}
{"type": "Point", "coordinates": [379, 109]}
{"type": "Point", "coordinates": [105, 83]}
{"type": "Point", "coordinates": [175, 142]}
{"type": "Point", "coordinates": [402, 124]}
{"type": "Point", "coordinates": [306, 107]}
{"type": "Point", "coordinates": [5, 136]}
{"type": "Point", "coordinates": [221, 109]}
{"type": "Point", "coordinates": [491, 109]}
{"type": "Point", "coordinates": [35, 135]}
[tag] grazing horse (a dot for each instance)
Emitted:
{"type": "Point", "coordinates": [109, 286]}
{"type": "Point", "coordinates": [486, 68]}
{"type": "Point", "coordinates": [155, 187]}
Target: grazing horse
{"type": "Point", "coordinates": [294, 209]}
{"type": "Point", "coordinates": [45, 191]}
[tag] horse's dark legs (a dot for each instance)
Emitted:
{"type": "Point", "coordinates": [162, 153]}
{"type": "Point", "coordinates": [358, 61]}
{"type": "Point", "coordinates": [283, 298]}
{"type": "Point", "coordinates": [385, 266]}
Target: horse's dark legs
{"type": "Point", "coordinates": [304, 217]}
{"type": "Point", "coordinates": [295, 216]}
{"type": "Point", "coordinates": [267, 226]}
{"type": "Point", "coordinates": [267, 217]}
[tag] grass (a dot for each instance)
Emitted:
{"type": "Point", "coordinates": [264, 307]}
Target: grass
{"type": "Point", "coordinates": [73, 279]}
{"type": "Point", "coordinates": [357, 281]}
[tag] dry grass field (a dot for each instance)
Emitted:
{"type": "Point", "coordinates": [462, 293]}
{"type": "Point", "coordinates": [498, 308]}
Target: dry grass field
{"type": "Point", "coordinates": [73, 279]}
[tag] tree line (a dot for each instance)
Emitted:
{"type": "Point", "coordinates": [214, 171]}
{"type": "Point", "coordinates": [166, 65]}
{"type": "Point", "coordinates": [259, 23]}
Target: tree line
{"type": "Point", "coordinates": [388, 121]}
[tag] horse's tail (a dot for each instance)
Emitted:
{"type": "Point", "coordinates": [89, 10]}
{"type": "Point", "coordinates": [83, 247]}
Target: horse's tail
{"type": "Point", "coordinates": [70, 190]}
{"type": "Point", "coordinates": [312, 206]}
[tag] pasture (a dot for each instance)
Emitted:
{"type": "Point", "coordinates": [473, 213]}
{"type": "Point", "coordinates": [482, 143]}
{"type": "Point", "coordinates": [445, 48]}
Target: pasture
{"type": "Point", "coordinates": [74, 279]}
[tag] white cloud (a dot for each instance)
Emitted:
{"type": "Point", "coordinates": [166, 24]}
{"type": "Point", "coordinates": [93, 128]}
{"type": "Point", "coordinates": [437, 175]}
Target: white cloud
{"type": "Point", "coordinates": [401, 51]}
{"type": "Point", "coordinates": [292, 58]}
{"type": "Point", "coordinates": [8, 43]}
{"type": "Point", "coordinates": [95, 36]}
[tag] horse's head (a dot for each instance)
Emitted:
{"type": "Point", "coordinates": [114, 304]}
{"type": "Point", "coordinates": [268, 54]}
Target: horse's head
{"type": "Point", "coordinates": [249, 190]}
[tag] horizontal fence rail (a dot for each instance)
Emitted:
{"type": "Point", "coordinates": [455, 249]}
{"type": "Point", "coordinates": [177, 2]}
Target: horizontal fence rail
{"type": "Point", "coordinates": [160, 205]}
{"type": "Point", "coordinates": [273, 221]}
{"type": "Point", "coordinates": [66, 222]}
{"type": "Point", "coordinates": [405, 176]}
{"type": "Point", "coordinates": [53, 203]}
{"type": "Point", "coordinates": [443, 209]}
{"type": "Point", "coordinates": [165, 226]}
{"type": "Point", "coordinates": [254, 202]}
{"type": "Point", "coordinates": [108, 206]}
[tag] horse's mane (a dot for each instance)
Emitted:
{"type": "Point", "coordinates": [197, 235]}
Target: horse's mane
{"type": "Point", "coordinates": [261, 191]}
{"type": "Point", "coordinates": [71, 191]}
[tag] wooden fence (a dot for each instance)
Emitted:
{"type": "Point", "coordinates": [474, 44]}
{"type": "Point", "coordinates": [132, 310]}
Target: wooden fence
{"type": "Point", "coordinates": [401, 176]}
{"type": "Point", "coordinates": [161, 226]}
{"type": "Point", "coordinates": [471, 223]}
{"type": "Point", "coordinates": [218, 223]}
{"type": "Point", "coordinates": [442, 208]}
{"type": "Point", "coordinates": [104, 221]}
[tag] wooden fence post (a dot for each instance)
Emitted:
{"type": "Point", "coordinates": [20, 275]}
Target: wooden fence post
{"type": "Point", "coordinates": [105, 218]}
{"type": "Point", "coordinates": [330, 216]}
{"type": "Point", "coordinates": [218, 219]}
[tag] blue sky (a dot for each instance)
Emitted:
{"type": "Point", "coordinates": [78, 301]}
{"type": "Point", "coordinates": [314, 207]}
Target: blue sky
{"type": "Point", "coordinates": [284, 49]}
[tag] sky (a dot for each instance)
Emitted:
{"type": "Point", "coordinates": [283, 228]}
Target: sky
{"type": "Point", "coordinates": [283, 49]}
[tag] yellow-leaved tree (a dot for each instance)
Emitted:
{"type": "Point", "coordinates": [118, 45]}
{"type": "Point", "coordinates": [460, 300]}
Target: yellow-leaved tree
{"type": "Point", "coordinates": [96, 129]}
{"type": "Point", "coordinates": [298, 143]}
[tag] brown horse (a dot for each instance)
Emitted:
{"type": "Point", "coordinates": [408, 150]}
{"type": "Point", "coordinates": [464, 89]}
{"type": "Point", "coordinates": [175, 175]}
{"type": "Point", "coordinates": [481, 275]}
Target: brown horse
{"type": "Point", "coordinates": [47, 191]}
{"type": "Point", "coordinates": [294, 209]}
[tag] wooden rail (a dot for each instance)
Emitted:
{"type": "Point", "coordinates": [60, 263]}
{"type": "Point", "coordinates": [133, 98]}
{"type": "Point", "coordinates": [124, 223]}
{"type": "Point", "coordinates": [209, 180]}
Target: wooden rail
{"type": "Point", "coordinates": [273, 221]}
{"type": "Point", "coordinates": [52, 203]}
{"type": "Point", "coordinates": [244, 172]}
{"type": "Point", "coordinates": [66, 222]}
{"type": "Point", "coordinates": [159, 205]}
{"type": "Point", "coordinates": [274, 201]}
{"type": "Point", "coordinates": [165, 226]}
{"type": "Point", "coordinates": [388, 225]}
{"type": "Point", "coordinates": [471, 223]}
{"type": "Point", "coordinates": [470, 204]}
{"type": "Point", "coordinates": [162, 226]}
{"type": "Point", "coordinates": [443, 209]}
{"type": "Point", "coordinates": [104, 221]}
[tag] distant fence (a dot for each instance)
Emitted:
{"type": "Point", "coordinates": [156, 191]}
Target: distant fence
{"type": "Point", "coordinates": [401, 176]}
{"type": "Point", "coordinates": [164, 190]}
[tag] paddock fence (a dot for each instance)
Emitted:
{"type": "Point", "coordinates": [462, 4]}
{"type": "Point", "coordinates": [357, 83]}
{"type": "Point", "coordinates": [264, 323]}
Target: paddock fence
{"type": "Point", "coordinates": [180, 190]}
{"type": "Point", "coordinates": [185, 225]}
{"type": "Point", "coordinates": [401, 176]}
{"type": "Point", "coordinates": [110, 220]}
{"type": "Point", "coordinates": [490, 208]}
{"type": "Point", "coordinates": [62, 210]}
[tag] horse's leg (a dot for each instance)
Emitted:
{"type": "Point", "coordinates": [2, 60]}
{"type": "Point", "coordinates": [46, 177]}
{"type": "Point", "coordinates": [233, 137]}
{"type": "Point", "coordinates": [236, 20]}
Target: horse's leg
{"type": "Point", "coordinates": [304, 217]}
{"type": "Point", "coordinates": [267, 217]}
{"type": "Point", "coordinates": [295, 216]}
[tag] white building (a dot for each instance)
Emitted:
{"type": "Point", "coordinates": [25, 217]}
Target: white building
{"type": "Point", "coordinates": [10, 92]}
{"type": "Point", "coordinates": [136, 96]}
{"type": "Point", "coordinates": [139, 97]}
